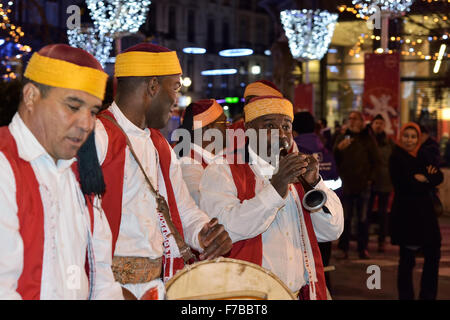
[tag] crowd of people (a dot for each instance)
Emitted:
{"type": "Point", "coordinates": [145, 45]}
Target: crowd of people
{"type": "Point", "coordinates": [96, 191]}
{"type": "Point", "coordinates": [387, 180]}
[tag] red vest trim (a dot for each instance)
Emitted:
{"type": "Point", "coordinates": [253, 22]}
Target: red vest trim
{"type": "Point", "coordinates": [250, 249]}
{"type": "Point", "coordinates": [31, 218]}
{"type": "Point", "coordinates": [113, 172]}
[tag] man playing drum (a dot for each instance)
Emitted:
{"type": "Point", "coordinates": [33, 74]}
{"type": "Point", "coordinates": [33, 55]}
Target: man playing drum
{"type": "Point", "coordinates": [142, 172]}
{"type": "Point", "coordinates": [260, 205]}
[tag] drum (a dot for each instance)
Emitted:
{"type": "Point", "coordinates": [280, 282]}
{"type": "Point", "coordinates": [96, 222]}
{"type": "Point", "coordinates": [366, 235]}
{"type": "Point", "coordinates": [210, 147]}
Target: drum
{"type": "Point", "coordinates": [226, 279]}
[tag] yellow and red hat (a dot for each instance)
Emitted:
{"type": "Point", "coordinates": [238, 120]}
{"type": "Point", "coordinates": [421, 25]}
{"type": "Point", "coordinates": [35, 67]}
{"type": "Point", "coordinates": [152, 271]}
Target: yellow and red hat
{"type": "Point", "coordinates": [264, 105]}
{"type": "Point", "coordinates": [63, 66]}
{"type": "Point", "coordinates": [262, 88]}
{"type": "Point", "coordinates": [147, 59]}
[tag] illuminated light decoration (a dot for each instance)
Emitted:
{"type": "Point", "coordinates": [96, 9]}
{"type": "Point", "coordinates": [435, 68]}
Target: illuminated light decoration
{"type": "Point", "coordinates": [267, 52]}
{"type": "Point", "coordinates": [218, 72]}
{"type": "Point", "coordinates": [332, 50]}
{"type": "Point", "coordinates": [439, 58]}
{"type": "Point", "coordinates": [115, 16]}
{"type": "Point", "coordinates": [235, 52]}
{"type": "Point", "coordinates": [256, 69]}
{"type": "Point", "coordinates": [395, 7]}
{"type": "Point", "coordinates": [309, 32]}
{"type": "Point", "coordinates": [186, 82]}
{"type": "Point", "coordinates": [99, 45]}
{"type": "Point", "coordinates": [111, 18]}
{"type": "Point", "coordinates": [11, 50]}
{"type": "Point", "coordinates": [231, 100]}
{"type": "Point", "coordinates": [194, 50]}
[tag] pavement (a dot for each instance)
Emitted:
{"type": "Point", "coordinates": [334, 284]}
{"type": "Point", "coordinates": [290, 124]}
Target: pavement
{"type": "Point", "coordinates": [349, 279]}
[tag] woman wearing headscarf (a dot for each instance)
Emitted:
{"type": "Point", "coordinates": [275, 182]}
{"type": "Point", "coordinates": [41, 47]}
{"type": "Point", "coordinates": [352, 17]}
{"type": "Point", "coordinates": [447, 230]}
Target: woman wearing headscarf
{"type": "Point", "coordinates": [414, 224]}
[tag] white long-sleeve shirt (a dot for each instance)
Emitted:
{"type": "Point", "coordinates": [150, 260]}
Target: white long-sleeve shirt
{"type": "Point", "coordinates": [140, 234]}
{"type": "Point", "coordinates": [193, 169]}
{"type": "Point", "coordinates": [66, 227]}
{"type": "Point", "coordinates": [280, 221]}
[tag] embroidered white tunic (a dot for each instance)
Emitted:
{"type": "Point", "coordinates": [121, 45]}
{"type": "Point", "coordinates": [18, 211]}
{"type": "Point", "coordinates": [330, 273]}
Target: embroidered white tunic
{"type": "Point", "coordinates": [140, 234]}
{"type": "Point", "coordinates": [277, 219]}
{"type": "Point", "coordinates": [66, 227]}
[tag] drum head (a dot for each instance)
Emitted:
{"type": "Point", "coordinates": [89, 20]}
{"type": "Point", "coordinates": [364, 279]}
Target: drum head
{"type": "Point", "coordinates": [225, 278]}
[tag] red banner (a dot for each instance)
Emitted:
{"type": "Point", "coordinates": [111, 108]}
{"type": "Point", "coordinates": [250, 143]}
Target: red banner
{"type": "Point", "coordinates": [382, 89]}
{"type": "Point", "coordinates": [304, 98]}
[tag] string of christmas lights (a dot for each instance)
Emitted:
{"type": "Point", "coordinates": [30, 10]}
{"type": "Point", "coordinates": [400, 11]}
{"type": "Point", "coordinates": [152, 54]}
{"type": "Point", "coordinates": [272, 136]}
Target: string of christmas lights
{"type": "Point", "coordinates": [395, 7]}
{"type": "Point", "coordinates": [309, 32]}
{"type": "Point", "coordinates": [11, 50]}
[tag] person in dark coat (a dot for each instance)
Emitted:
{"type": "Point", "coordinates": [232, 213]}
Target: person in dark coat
{"type": "Point", "coordinates": [309, 142]}
{"type": "Point", "coordinates": [414, 225]}
{"type": "Point", "coordinates": [357, 158]}
{"type": "Point", "coordinates": [382, 186]}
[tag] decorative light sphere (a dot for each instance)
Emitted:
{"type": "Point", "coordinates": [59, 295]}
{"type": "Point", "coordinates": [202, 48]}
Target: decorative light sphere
{"type": "Point", "coordinates": [394, 7]}
{"type": "Point", "coordinates": [309, 32]}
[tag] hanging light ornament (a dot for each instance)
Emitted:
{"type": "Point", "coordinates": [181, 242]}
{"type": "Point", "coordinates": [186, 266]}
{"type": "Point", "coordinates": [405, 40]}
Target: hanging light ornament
{"type": "Point", "coordinates": [111, 18]}
{"type": "Point", "coordinates": [115, 16]}
{"type": "Point", "coordinates": [309, 32]}
{"type": "Point", "coordinates": [382, 10]}
{"type": "Point", "coordinates": [96, 43]}
{"type": "Point", "coordinates": [367, 8]}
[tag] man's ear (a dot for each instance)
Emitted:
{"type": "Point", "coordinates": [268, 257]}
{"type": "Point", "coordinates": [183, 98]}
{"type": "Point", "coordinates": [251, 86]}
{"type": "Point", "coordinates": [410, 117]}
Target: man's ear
{"type": "Point", "coordinates": [153, 86]}
{"type": "Point", "coordinates": [31, 94]}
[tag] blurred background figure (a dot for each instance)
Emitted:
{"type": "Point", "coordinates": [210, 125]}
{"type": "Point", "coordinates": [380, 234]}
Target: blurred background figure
{"type": "Point", "coordinates": [309, 142]}
{"type": "Point", "coordinates": [382, 186]}
{"type": "Point", "coordinates": [357, 159]}
{"type": "Point", "coordinates": [414, 225]}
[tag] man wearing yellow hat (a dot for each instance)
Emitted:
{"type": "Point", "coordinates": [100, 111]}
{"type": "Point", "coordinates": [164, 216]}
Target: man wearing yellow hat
{"type": "Point", "coordinates": [55, 239]}
{"type": "Point", "coordinates": [148, 206]}
{"type": "Point", "coordinates": [261, 88]}
{"type": "Point", "coordinates": [260, 204]}
{"type": "Point", "coordinates": [204, 124]}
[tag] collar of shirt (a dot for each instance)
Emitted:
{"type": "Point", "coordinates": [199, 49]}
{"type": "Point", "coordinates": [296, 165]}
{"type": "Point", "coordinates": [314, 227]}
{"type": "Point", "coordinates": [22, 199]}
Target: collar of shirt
{"type": "Point", "coordinates": [129, 127]}
{"type": "Point", "coordinates": [261, 167]}
{"type": "Point", "coordinates": [29, 147]}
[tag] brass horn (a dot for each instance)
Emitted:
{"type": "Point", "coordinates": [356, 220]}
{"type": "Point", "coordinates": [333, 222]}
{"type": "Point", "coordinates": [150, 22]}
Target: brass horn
{"type": "Point", "coordinates": [314, 199]}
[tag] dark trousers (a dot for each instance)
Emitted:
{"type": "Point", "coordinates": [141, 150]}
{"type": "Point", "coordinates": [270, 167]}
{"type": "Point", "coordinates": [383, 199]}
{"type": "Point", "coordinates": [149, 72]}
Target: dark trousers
{"type": "Point", "coordinates": [382, 215]}
{"type": "Point", "coordinates": [355, 203]}
{"type": "Point", "coordinates": [430, 273]}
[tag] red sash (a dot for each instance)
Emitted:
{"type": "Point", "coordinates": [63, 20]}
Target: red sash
{"type": "Point", "coordinates": [30, 213]}
{"type": "Point", "coordinates": [251, 249]}
{"type": "Point", "coordinates": [113, 170]}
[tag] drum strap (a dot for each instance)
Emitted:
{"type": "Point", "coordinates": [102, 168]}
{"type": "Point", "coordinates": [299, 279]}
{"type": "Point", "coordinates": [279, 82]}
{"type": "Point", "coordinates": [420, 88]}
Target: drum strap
{"type": "Point", "coordinates": [161, 203]}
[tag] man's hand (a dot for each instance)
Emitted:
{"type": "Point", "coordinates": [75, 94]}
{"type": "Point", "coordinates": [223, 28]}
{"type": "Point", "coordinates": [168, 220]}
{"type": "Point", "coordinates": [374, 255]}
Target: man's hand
{"type": "Point", "coordinates": [289, 169]}
{"type": "Point", "coordinates": [420, 177]}
{"type": "Point", "coordinates": [344, 143]}
{"type": "Point", "coordinates": [214, 240]}
{"type": "Point", "coordinates": [312, 174]}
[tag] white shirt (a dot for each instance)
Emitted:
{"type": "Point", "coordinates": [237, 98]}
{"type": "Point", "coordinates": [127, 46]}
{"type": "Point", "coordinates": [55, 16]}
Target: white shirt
{"type": "Point", "coordinates": [66, 228]}
{"type": "Point", "coordinates": [193, 169]}
{"type": "Point", "coordinates": [277, 219]}
{"type": "Point", "coordinates": [139, 234]}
